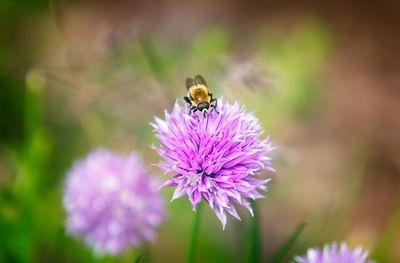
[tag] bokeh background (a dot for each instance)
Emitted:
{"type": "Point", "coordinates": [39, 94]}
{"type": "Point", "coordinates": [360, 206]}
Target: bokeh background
{"type": "Point", "coordinates": [322, 77]}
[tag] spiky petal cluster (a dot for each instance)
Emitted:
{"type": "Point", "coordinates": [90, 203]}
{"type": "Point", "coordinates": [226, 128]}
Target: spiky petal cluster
{"type": "Point", "coordinates": [215, 156]}
{"type": "Point", "coordinates": [112, 202]}
{"type": "Point", "coordinates": [334, 253]}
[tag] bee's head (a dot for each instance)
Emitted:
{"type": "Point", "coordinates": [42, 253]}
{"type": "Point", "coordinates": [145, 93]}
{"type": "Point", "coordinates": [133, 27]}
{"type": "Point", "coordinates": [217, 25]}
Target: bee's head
{"type": "Point", "coordinates": [203, 106]}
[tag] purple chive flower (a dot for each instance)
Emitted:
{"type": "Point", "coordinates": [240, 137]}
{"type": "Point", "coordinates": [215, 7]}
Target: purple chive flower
{"type": "Point", "coordinates": [215, 157]}
{"type": "Point", "coordinates": [112, 202]}
{"type": "Point", "coordinates": [334, 253]}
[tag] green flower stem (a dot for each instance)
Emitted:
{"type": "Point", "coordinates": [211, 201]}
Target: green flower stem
{"type": "Point", "coordinates": [255, 238]}
{"type": "Point", "coordinates": [195, 230]}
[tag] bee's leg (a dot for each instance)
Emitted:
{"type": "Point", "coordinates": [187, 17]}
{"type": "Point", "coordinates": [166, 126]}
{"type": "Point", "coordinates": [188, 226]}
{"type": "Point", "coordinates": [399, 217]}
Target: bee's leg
{"type": "Point", "coordinates": [211, 97]}
{"type": "Point", "coordinates": [213, 100]}
{"type": "Point", "coordinates": [187, 100]}
{"type": "Point", "coordinates": [214, 106]}
{"type": "Point", "coordinates": [192, 109]}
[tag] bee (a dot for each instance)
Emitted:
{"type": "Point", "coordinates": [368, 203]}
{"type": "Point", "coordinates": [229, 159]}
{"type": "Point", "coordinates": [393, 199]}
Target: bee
{"type": "Point", "coordinates": [198, 96]}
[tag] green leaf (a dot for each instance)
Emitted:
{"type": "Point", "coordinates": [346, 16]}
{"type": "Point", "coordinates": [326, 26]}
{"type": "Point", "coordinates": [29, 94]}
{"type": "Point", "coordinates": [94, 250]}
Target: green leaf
{"type": "Point", "coordinates": [284, 249]}
{"type": "Point", "coordinates": [139, 258]}
{"type": "Point", "coordinates": [387, 239]}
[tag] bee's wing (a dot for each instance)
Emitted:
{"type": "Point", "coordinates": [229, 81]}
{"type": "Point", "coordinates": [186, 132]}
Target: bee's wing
{"type": "Point", "coordinates": [189, 83]}
{"type": "Point", "coordinates": [199, 80]}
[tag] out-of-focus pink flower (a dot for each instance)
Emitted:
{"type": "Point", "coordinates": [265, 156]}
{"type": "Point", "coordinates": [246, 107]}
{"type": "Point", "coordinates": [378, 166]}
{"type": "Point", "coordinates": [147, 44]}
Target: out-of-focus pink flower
{"type": "Point", "coordinates": [334, 253]}
{"type": "Point", "coordinates": [112, 202]}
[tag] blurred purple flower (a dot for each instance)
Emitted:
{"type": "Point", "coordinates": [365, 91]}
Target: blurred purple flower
{"type": "Point", "coordinates": [214, 156]}
{"type": "Point", "coordinates": [334, 253]}
{"type": "Point", "coordinates": [112, 202]}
